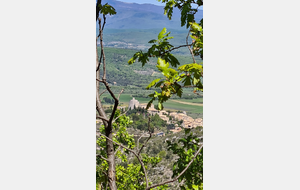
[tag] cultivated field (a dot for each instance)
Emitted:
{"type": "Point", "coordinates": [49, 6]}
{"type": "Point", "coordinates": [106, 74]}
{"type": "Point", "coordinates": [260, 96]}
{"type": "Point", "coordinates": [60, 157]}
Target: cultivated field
{"type": "Point", "coordinates": [188, 105]}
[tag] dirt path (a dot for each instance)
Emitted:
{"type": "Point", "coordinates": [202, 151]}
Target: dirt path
{"type": "Point", "coordinates": [188, 103]}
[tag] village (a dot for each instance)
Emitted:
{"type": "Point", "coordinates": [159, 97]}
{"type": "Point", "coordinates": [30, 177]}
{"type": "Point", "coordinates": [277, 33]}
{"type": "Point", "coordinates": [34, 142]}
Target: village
{"type": "Point", "coordinates": [170, 118]}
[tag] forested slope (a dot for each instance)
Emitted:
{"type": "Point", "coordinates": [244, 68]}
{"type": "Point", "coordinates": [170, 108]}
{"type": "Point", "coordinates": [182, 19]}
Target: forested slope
{"type": "Point", "coordinates": [122, 74]}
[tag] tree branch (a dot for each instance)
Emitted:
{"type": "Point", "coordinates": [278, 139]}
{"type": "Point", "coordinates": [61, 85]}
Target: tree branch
{"type": "Point", "coordinates": [120, 93]}
{"type": "Point", "coordinates": [176, 178]}
{"type": "Point", "coordinates": [117, 150]}
{"type": "Point", "coordinates": [103, 92]}
{"type": "Point", "coordinates": [120, 116]}
{"type": "Point", "coordinates": [150, 135]}
{"type": "Point", "coordinates": [103, 118]}
{"type": "Point", "coordinates": [114, 97]}
{"type": "Point", "coordinates": [98, 8]}
{"type": "Point", "coordinates": [102, 50]}
{"type": "Point", "coordinates": [177, 48]}
{"type": "Point", "coordinates": [187, 37]}
{"type": "Point", "coordinates": [142, 164]}
{"type": "Point", "coordinates": [102, 157]}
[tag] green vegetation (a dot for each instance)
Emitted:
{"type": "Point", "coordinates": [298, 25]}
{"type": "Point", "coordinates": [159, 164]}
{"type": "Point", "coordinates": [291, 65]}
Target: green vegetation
{"type": "Point", "coordinates": [135, 39]}
{"type": "Point", "coordinates": [122, 74]}
{"type": "Point", "coordinates": [194, 111]}
{"type": "Point", "coordinates": [123, 159]}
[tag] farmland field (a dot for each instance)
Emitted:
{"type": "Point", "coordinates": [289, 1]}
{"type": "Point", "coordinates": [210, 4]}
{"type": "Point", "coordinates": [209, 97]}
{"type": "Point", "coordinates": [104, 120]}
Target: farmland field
{"type": "Point", "coordinates": [169, 105]}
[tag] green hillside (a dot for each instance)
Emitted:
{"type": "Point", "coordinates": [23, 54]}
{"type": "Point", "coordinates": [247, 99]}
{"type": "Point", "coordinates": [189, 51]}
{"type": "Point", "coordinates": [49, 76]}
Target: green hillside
{"type": "Point", "coordinates": [138, 38]}
{"type": "Point", "coordinates": [122, 74]}
{"type": "Point", "coordinates": [134, 79]}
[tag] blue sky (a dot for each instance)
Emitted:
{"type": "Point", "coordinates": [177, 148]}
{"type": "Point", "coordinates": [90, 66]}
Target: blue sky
{"type": "Point", "coordinates": [155, 2]}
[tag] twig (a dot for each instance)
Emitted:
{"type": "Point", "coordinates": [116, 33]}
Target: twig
{"type": "Point", "coordinates": [97, 8]}
{"type": "Point", "coordinates": [187, 37]}
{"type": "Point", "coordinates": [176, 178]}
{"type": "Point", "coordinates": [120, 93]}
{"type": "Point", "coordinates": [142, 164]}
{"type": "Point", "coordinates": [117, 150]}
{"type": "Point", "coordinates": [177, 48]}
{"type": "Point", "coordinates": [148, 138]}
{"type": "Point", "coordinates": [103, 92]}
{"type": "Point", "coordinates": [116, 101]}
{"type": "Point", "coordinates": [102, 49]}
{"type": "Point", "coordinates": [137, 144]}
{"type": "Point", "coordinates": [99, 117]}
{"type": "Point", "coordinates": [100, 80]}
{"type": "Point", "coordinates": [102, 157]}
{"type": "Point", "coordinates": [98, 67]}
{"type": "Point", "coordinates": [120, 116]}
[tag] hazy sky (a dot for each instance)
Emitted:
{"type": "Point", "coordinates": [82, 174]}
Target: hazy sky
{"type": "Point", "coordinates": [155, 2]}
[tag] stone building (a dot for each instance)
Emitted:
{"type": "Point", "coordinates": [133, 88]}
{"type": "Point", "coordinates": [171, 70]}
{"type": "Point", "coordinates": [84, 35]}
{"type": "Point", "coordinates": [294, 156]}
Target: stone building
{"type": "Point", "coordinates": [133, 103]}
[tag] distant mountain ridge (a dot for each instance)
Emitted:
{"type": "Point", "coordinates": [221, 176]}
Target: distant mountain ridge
{"type": "Point", "coordinates": [143, 16]}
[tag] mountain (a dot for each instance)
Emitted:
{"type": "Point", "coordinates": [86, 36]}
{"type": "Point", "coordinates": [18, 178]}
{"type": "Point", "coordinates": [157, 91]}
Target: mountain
{"type": "Point", "coordinates": [143, 16]}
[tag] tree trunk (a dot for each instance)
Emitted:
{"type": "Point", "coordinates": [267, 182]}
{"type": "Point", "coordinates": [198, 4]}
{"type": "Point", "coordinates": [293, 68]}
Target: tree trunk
{"type": "Point", "coordinates": [108, 130]}
{"type": "Point", "coordinates": [111, 159]}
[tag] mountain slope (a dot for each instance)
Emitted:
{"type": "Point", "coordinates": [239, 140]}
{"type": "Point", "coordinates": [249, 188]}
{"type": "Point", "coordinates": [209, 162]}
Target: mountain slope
{"type": "Point", "coordinates": [143, 16]}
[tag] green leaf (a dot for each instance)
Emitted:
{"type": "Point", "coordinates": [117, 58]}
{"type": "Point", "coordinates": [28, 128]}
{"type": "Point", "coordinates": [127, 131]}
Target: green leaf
{"type": "Point", "coordinates": [107, 9]}
{"type": "Point", "coordinates": [152, 41]}
{"type": "Point", "coordinates": [162, 65]}
{"type": "Point", "coordinates": [152, 83]}
{"type": "Point", "coordinates": [187, 81]}
{"type": "Point", "coordinates": [159, 106]}
{"type": "Point", "coordinates": [161, 34]}
{"type": "Point", "coordinates": [195, 26]}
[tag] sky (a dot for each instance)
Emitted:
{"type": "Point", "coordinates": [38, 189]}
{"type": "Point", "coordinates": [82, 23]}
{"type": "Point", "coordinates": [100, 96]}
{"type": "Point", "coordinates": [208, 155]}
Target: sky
{"type": "Point", "coordinates": [155, 2]}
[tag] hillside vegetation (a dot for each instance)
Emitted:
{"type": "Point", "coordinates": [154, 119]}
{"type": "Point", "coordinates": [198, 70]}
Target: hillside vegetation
{"type": "Point", "coordinates": [120, 73]}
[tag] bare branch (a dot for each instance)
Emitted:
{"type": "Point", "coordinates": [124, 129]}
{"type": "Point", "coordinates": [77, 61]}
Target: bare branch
{"type": "Point", "coordinates": [102, 157]}
{"type": "Point", "coordinates": [117, 150]}
{"type": "Point", "coordinates": [101, 33]}
{"type": "Point", "coordinates": [142, 164]}
{"type": "Point", "coordinates": [103, 92]}
{"type": "Point", "coordinates": [100, 80]}
{"type": "Point", "coordinates": [177, 48]}
{"type": "Point", "coordinates": [176, 178]}
{"type": "Point", "coordinates": [99, 117]}
{"type": "Point", "coordinates": [120, 93]}
{"type": "Point", "coordinates": [187, 37]}
{"type": "Point", "coordinates": [150, 135]}
{"type": "Point", "coordinates": [137, 144]}
{"type": "Point", "coordinates": [102, 50]}
{"type": "Point", "coordinates": [98, 66]}
{"type": "Point", "coordinates": [98, 8]}
{"type": "Point", "coordinates": [120, 116]}
{"type": "Point", "coordinates": [114, 97]}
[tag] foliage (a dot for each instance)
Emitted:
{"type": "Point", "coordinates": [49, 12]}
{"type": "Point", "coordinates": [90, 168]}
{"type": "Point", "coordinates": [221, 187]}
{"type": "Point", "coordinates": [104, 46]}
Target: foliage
{"type": "Point", "coordinates": [131, 76]}
{"type": "Point", "coordinates": [130, 173]}
{"type": "Point", "coordinates": [175, 78]}
{"type": "Point", "coordinates": [185, 148]}
{"type": "Point", "coordinates": [140, 122]}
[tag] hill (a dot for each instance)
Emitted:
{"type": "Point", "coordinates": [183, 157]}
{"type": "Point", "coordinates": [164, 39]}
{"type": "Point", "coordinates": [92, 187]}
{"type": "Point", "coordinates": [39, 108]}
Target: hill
{"type": "Point", "coordinates": [143, 16]}
{"type": "Point", "coordinates": [135, 24]}
{"type": "Point", "coordinates": [120, 73]}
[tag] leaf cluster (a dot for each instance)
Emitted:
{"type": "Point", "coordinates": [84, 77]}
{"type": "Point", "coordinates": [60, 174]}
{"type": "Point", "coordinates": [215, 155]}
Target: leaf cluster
{"type": "Point", "coordinates": [185, 149]}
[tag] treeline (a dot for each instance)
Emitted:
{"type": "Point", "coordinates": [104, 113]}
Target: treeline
{"type": "Point", "coordinates": [184, 96]}
{"type": "Point", "coordinates": [140, 116]}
